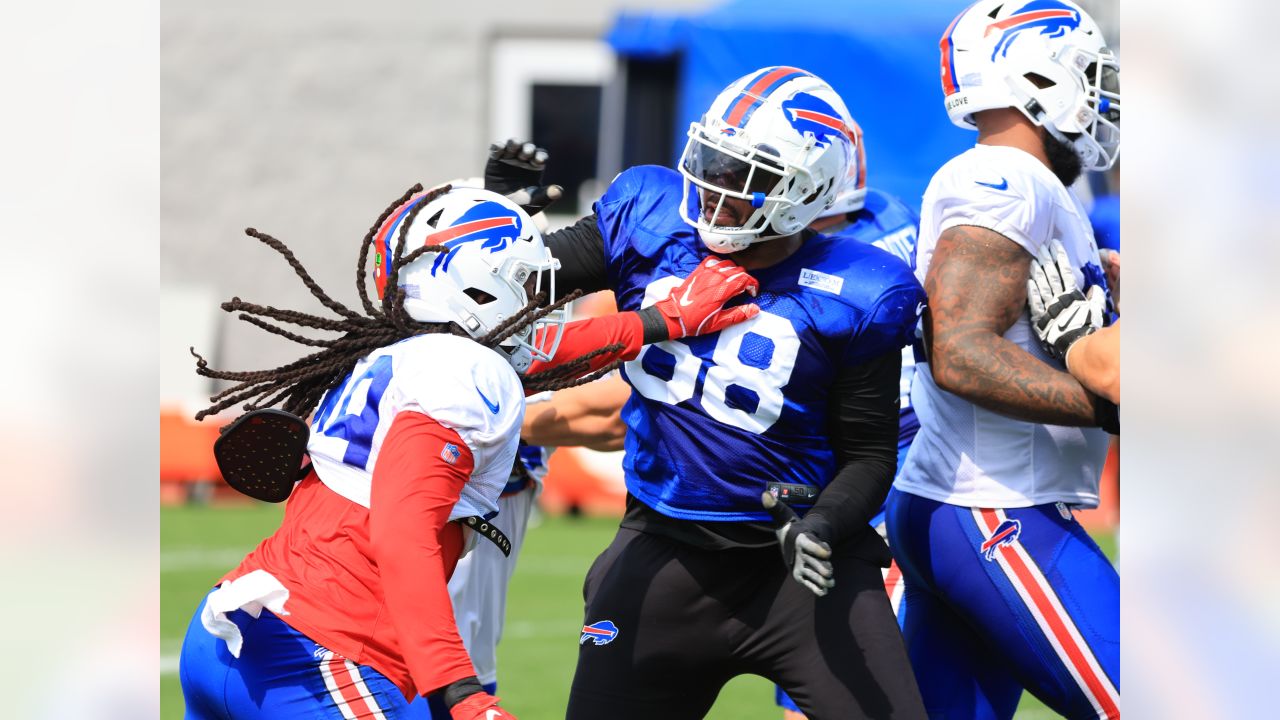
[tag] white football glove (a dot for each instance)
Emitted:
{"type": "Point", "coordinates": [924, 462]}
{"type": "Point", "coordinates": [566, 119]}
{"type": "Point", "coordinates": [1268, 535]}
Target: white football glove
{"type": "Point", "coordinates": [1060, 313]}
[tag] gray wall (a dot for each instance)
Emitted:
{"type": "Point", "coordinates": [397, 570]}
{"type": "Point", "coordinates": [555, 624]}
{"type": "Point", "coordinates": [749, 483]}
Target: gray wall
{"type": "Point", "coordinates": [304, 120]}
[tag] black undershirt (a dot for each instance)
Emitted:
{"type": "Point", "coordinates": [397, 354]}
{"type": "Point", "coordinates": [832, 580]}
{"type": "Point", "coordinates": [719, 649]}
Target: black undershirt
{"type": "Point", "coordinates": [862, 423]}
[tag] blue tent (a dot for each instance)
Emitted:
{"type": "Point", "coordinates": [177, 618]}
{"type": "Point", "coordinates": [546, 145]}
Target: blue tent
{"type": "Point", "coordinates": [882, 57]}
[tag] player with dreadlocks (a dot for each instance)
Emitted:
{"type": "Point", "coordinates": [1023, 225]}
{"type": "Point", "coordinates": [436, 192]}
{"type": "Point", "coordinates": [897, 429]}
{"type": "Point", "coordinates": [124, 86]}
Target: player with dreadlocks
{"type": "Point", "coordinates": [343, 612]}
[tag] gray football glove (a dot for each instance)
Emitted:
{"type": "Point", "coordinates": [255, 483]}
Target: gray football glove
{"type": "Point", "coordinates": [805, 553]}
{"type": "Point", "coordinates": [514, 169]}
{"type": "Point", "coordinates": [1060, 313]}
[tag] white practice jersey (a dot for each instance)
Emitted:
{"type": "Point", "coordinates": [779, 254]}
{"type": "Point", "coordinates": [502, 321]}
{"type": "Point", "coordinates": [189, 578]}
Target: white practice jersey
{"type": "Point", "coordinates": [963, 454]}
{"type": "Point", "coordinates": [458, 383]}
{"type": "Point", "coordinates": [536, 458]}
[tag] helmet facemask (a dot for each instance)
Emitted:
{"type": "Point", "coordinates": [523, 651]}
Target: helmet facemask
{"type": "Point", "coordinates": [1102, 96]}
{"type": "Point", "coordinates": [765, 159]}
{"type": "Point", "coordinates": [540, 339]}
{"type": "Point", "coordinates": [1077, 100]}
{"type": "Point", "coordinates": [718, 171]}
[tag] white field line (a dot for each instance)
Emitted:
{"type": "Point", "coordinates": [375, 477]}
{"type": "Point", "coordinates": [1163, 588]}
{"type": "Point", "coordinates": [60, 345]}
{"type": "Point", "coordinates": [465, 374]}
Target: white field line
{"type": "Point", "coordinates": [168, 665]}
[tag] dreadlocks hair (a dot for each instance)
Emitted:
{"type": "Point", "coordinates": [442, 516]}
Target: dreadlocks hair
{"type": "Point", "coordinates": [298, 387]}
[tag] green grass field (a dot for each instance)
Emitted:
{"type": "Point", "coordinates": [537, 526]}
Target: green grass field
{"type": "Point", "coordinates": [544, 615]}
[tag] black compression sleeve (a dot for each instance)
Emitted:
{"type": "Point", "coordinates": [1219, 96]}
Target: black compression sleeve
{"type": "Point", "coordinates": [580, 250]}
{"type": "Point", "coordinates": [459, 690]}
{"type": "Point", "coordinates": [863, 422]}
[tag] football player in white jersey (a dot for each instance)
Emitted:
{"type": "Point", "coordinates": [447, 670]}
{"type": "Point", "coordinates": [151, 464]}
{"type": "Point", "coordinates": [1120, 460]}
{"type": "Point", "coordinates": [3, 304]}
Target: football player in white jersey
{"type": "Point", "coordinates": [1004, 589]}
{"type": "Point", "coordinates": [343, 612]}
{"type": "Point", "coordinates": [583, 415]}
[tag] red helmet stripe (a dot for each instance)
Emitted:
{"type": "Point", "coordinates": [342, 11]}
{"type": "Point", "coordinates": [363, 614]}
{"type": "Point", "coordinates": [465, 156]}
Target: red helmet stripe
{"type": "Point", "coordinates": [834, 123]}
{"type": "Point", "coordinates": [751, 95]}
{"type": "Point", "coordinates": [949, 84]}
{"type": "Point", "coordinates": [467, 228]}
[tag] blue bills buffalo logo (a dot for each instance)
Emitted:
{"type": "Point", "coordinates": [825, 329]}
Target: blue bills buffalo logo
{"type": "Point", "coordinates": [1006, 533]}
{"type": "Point", "coordinates": [599, 633]}
{"type": "Point", "coordinates": [1050, 17]}
{"type": "Point", "coordinates": [491, 224]}
{"type": "Point", "coordinates": [811, 114]}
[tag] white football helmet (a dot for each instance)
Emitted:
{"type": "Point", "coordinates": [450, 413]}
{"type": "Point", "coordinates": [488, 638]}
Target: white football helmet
{"type": "Point", "coordinates": [852, 195]}
{"type": "Point", "coordinates": [494, 265]}
{"type": "Point", "coordinates": [777, 139]}
{"type": "Point", "coordinates": [1045, 57]}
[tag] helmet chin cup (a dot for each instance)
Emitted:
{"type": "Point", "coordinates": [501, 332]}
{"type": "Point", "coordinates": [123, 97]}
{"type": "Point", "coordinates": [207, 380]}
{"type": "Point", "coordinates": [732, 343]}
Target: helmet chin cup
{"type": "Point", "coordinates": [726, 243]}
{"type": "Point", "coordinates": [520, 357]}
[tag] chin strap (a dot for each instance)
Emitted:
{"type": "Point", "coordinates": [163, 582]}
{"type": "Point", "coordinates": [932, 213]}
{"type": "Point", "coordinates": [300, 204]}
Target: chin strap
{"type": "Point", "coordinates": [1034, 110]}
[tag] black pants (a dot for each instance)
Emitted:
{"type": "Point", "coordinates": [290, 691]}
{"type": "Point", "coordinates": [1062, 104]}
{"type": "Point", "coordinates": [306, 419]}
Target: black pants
{"type": "Point", "coordinates": [688, 620]}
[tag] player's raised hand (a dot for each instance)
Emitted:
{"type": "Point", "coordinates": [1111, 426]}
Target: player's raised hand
{"type": "Point", "coordinates": [696, 306]}
{"type": "Point", "coordinates": [514, 169]}
{"type": "Point", "coordinates": [480, 706]}
{"type": "Point", "coordinates": [806, 554]}
{"type": "Point", "coordinates": [1060, 313]}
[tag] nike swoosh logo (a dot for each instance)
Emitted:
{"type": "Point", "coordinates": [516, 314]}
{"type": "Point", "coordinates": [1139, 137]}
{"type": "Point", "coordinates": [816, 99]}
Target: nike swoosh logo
{"type": "Point", "coordinates": [493, 407]}
{"type": "Point", "coordinates": [685, 301]}
{"type": "Point", "coordinates": [1004, 184]}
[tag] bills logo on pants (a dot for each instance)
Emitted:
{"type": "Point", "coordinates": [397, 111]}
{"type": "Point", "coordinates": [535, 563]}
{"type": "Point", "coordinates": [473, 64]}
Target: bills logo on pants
{"type": "Point", "coordinates": [599, 633]}
{"type": "Point", "coordinates": [1005, 534]}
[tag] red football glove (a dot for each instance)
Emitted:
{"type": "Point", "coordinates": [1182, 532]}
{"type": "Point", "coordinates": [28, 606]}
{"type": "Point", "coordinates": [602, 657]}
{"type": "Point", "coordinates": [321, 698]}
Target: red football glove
{"type": "Point", "coordinates": [480, 706]}
{"type": "Point", "coordinates": [696, 306]}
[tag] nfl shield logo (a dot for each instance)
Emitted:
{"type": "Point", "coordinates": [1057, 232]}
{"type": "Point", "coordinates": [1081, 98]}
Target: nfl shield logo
{"type": "Point", "coordinates": [450, 453]}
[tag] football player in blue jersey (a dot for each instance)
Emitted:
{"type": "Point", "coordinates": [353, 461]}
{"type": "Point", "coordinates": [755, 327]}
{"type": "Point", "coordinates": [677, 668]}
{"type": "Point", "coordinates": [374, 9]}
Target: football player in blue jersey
{"type": "Point", "coordinates": [800, 403]}
{"type": "Point", "coordinates": [870, 216]}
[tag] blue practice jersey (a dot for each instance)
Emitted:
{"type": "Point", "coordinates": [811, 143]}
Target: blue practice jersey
{"type": "Point", "coordinates": [890, 225]}
{"type": "Point", "coordinates": [713, 419]}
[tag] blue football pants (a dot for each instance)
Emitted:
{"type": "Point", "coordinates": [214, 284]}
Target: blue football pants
{"type": "Point", "coordinates": [280, 674]}
{"type": "Point", "coordinates": [998, 600]}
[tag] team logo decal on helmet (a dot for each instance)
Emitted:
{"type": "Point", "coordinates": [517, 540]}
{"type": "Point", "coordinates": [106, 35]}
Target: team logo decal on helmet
{"type": "Point", "coordinates": [496, 225]}
{"type": "Point", "coordinates": [809, 113]}
{"type": "Point", "coordinates": [1051, 17]}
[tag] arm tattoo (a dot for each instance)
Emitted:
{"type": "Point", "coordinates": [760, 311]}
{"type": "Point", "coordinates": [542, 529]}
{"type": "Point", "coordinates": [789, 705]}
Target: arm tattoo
{"type": "Point", "coordinates": [977, 287]}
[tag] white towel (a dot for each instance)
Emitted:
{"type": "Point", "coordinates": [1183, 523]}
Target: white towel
{"type": "Point", "coordinates": [251, 593]}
